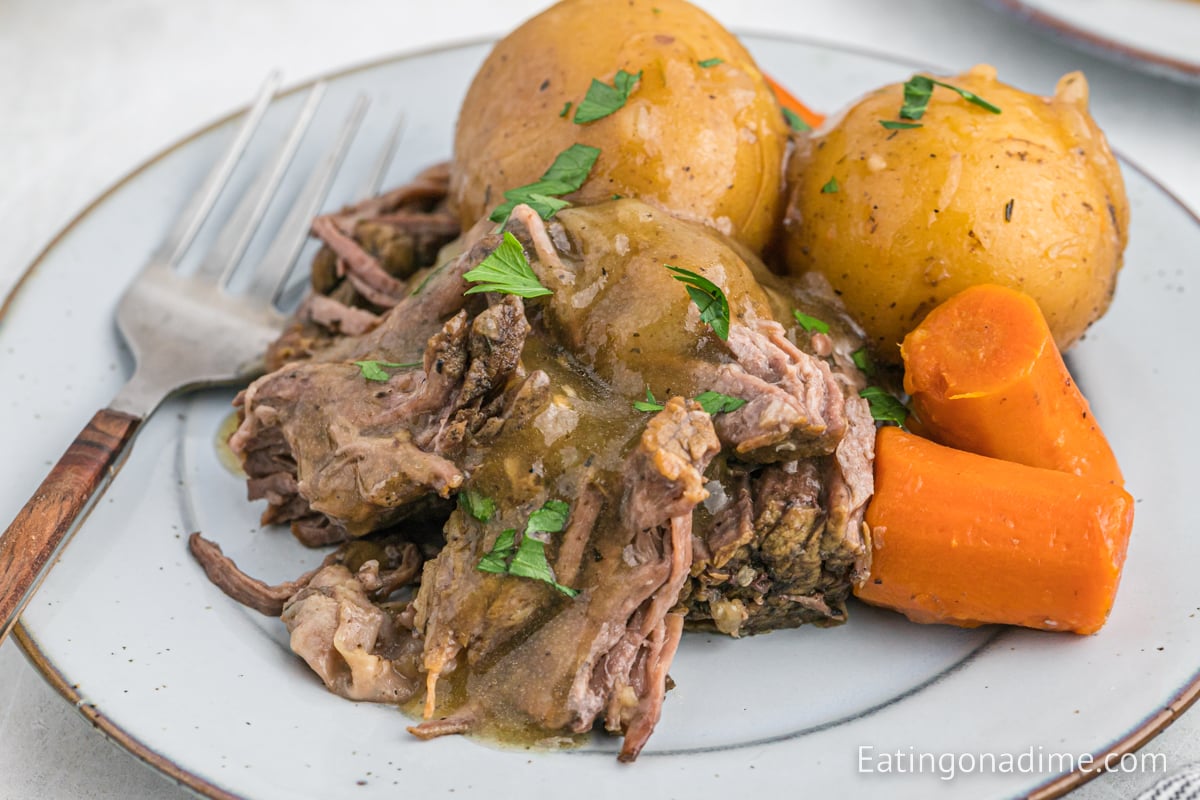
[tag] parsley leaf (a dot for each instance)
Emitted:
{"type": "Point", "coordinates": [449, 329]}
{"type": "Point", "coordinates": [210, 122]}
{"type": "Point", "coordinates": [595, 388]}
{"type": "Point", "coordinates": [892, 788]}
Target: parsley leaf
{"type": "Point", "coordinates": [477, 505]}
{"type": "Point", "coordinates": [708, 297]}
{"type": "Point", "coordinates": [649, 404]}
{"type": "Point", "coordinates": [375, 370]}
{"type": "Point", "coordinates": [862, 360]}
{"type": "Point", "coordinates": [919, 89]}
{"type": "Point", "coordinates": [884, 407]}
{"type": "Point", "coordinates": [711, 62]}
{"type": "Point", "coordinates": [528, 559]}
{"type": "Point", "coordinates": [794, 121]}
{"type": "Point", "coordinates": [602, 99]}
{"type": "Point", "coordinates": [568, 172]}
{"type": "Point", "coordinates": [566, 109]}
{"type": "Point", "coordinates": [712, 402]}
{"type": "Point", "coordinates": [810, 324]}
{"type": "Point", "coordinates": [830, 187]}
{"type": "Point", "coordinates": [570, 168]}
{"type": "Point", "coordinates": [530, 562]}
{"type": "Point", "coordinates": [550, 518]}
{"type": "Point", "coordinates": [506, 270]}
{"type": "Point", "coordinates": [899, 126]}
{"type": "Point", "coordinates": [717, 403]}
{"type": "Point", "coordinates": [917, 92]}
{"type": "Point", "coordinates": [971, 97]}
{"type": "Point", "coordinates": [545, 205]}
{"type": "Point", "coordinates": [496, 559]}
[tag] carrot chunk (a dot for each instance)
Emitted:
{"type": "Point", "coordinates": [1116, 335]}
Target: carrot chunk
{"type": "Point", "coordinates": [985, 376]}
{"type": "Point", "coordinates": [964, 539]}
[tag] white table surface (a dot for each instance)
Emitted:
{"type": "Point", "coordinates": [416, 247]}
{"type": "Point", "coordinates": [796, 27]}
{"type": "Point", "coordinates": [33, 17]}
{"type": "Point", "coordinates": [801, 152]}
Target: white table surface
{"type": "Point", "coordinates": [88, 90]}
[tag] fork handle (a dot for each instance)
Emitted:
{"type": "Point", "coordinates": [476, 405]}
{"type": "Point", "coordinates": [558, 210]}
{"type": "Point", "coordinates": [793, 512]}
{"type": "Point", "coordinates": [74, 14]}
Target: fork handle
{"type": "Point", "coordinates": [31, 541]}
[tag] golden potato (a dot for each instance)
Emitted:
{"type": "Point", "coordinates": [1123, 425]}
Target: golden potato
{"type": "Point", "coordinates": [704, 142]}
{"type": "Point", "coordinates": [1031, 198]}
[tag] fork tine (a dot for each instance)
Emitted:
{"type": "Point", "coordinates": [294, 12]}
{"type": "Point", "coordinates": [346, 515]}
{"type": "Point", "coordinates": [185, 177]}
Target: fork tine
{"type": "Point", "coordinates": [273, 270]}
{"type": "Point", "coordinates": [383, 161]}
{"type": "Point", "coordinates": [234, 238]}
{"type": "Point", "coordinates": [188, 224]}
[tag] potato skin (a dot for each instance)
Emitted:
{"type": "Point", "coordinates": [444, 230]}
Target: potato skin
{"type": "Point", "coordinates": [1031, 198]}
{"type": "Point", "coordinates": [707, 144]}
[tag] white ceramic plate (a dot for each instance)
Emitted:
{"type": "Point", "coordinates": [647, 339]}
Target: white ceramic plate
{"type": "Point", "coordinates": [1159, 36]}
{"type": "Point", "coordinates": [128, 628]}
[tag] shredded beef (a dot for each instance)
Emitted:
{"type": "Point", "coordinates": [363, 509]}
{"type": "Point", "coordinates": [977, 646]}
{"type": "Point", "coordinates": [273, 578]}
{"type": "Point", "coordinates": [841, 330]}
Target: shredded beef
{"type": "Point", "coordinates": [741, 522]}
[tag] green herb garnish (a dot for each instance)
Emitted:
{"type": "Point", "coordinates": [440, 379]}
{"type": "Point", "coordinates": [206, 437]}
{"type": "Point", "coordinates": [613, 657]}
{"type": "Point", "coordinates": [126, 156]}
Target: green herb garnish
{"type": "Point", "coordinates": [568, 172]}
{"type": "Point", "coordinates": [919, 89]}
{"type": "Point", "coordinates": [711, 402]}
{"type": "Point", "coordinates": [566, 108]}
{"type": "Point", "coordinates": [862, 360]}
{"type": "Point", "coordinates": [528, 559]}
{"type": "Point", "coordinates": [795, 122]}
{"type": "Point", "coordinates": [506, 270]}
{"type": "Point", "coordinates": [550, 518]}
{"type": "Point", "coordinates": [377, 370]}
{"type": "Point", "coordinates": [830, 187]}
{"type": "Point", "coordinates": [711, 62]}
{"type": "Point", "coordinates": [530, 562]}
{"type": "Point", "coordinates": [708, 297]}
{"type": "Point", "coordinates": [496, 559]}
{"type": "Point", "coordinates": [1008, 208]}
{"type": "Point", "coordinates": [717, 403]}
{"type": "Point", "coordinates": [899, 126]}
{"type": "Point", "coordinates": [477, 505]}
{"type": "Point", "coordinates": [884, 407]}
{"type": "Point", "coordinates": [810, 324]}
{"type": "Point", "coordinates": [602, 99]}
{"type": "Point", "coordinates": [649, 404]}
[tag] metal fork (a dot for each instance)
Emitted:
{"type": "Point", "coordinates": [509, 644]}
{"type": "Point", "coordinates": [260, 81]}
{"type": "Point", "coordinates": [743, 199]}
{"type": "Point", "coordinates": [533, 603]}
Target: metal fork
{"type": "Point", "coordinates": [186, 331]}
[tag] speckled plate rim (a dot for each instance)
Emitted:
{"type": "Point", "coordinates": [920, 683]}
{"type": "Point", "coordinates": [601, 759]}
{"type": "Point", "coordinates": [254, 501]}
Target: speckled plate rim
{"type": "Point", "coordinates": [1099, 44]}
{"type": "Point", "coordinates": [1153, 724]}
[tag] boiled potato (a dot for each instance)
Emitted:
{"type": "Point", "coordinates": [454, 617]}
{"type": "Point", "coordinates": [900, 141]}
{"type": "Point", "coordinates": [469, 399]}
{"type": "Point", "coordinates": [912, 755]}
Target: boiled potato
{"type": "Point", "coordinates": [1031, 198]}
{"type": "Point", "coordinates": [706, 143]}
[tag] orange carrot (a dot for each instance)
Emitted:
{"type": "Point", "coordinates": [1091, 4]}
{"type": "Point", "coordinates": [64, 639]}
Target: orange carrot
{"type": "Point", "coordinates": [985, 376]}
{"type": "Point", "coordinates": [965, 539]}
{"type": "Point", "coordinates": [789, 101]}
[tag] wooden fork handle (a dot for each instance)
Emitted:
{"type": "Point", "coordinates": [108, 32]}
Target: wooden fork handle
{"type": "Point", "coordinates": [31, 541]}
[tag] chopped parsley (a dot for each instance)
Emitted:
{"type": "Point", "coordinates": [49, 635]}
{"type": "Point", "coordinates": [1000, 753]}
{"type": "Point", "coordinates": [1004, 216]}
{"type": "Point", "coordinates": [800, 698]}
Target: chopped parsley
{"type": "Point", "coordinates": [717, 403]}
{"type": "Point", "coordinates": [810, 324]}
{"type": "Point", "coordinates": [708, 297]}
{"type": "Point", "coordinates": [711, 402]}
{"type": "Point", "coordinates": [496, 559]}
{"type": "Point", "coordinates": [550, 518]}
{"type": "Point", "coordinates": [830, 187]}
{"type": "Point", "coordinates": [711, 62]}
{"type": "Point", "coordinates": [377, 370]}
{"type": "Point", "coordinates": [795, 122]}
{"type": "Point", "coordinates": [884, 407]}
{"type": "Point", "coordinates": [528, 559]}
{"type": "Point", "coordinates": [919, 89]}
{"type": "Point", "coordinates": [602, 99]}
{"type": "Point", "coordinates": [899, 126]}
{"type": "Point", "coordinates": [862, 360]}
{"type": "Point", "coordinates": [566, 109]}
{"type": "Point", "coordinates": [649, 404]}
{"type": "Point", "coordinates": [477, 505]}
{"type": "Point", "coordinates": [506, 270]}
{"type": "Point", "coordinates": [568, 172]}
{"type": "Point", "coordinates": [1008, 208]}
